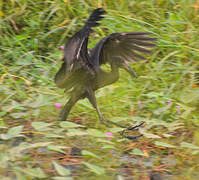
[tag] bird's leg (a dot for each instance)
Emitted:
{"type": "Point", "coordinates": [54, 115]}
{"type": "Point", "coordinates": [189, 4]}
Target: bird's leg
{"type": "Point", "coordinates": [91, 97]}
{"type": "Point", "coordinates": [68, 106]}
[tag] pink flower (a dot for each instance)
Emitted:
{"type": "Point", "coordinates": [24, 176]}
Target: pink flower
{"type": "Point", "coordinates": [109, 134]}
{"type": "Point", "coordinates": [61, 47]}
{"type": "Point", "coordinates": [140, 104]}
{"type": "Point", "coordinates": [169, 102]}
{"type": "Point", "coordinates": [178, 110]}
{"type": "Point", "coordinates": [58, 105]}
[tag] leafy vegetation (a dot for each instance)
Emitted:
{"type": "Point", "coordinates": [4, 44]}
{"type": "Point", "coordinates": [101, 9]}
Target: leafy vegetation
{"type": "Point", "coordinates": [34, 144]}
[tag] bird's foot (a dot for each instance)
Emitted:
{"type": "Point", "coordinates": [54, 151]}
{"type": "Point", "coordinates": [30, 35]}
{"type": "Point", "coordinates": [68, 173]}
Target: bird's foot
{"type": "Point", "coordinates": [123, 133]}
{"type": "Point", "coordinates": [105, 122]}
{"type": "Point", "coordinates": [102, 120]}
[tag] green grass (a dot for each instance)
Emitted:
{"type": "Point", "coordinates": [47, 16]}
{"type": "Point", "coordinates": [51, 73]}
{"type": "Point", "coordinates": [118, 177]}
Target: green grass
{"type": "Point", "coordinates": [32, 139]}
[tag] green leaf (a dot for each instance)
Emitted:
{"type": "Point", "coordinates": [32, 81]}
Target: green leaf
{"type": "Point", "coordinates": [195, 152]}
{"type": "Point", "coordinates": [54, 136]}
{"type": "Point", "coordinates": [35, 172]}
{"type": "Point", "coordinates": [108, 147]}
{"type": "Point", "coordinates": [119, 177]}
{"type": "Point", "coordinates": [56, 148]}
{"type": "Point", "coordinates": [12, 132]}
{"type": "Point", "coordinates": [163, 144]}
{"type": "Point", "coordinates": [96, 169]}
{"type": "Point", "coordinates": [18, 115]}
{"type": "Point", "coordinates": [62, 178]}
{"type": "Point", "coordinates": [21, 37]}
{"type": "Point", "coordinates": [61, 170]}
{"type": "Point", "coordinates": [15, 131]}
{"type": "Point", "coordinates": [41, 126]}
{"type": "Point", "coordinates": [2, 114]}
{"type": "Point", "coordinates": [150, 135]}
{"type": "Point", "coordinates": [88, 153]}
{"type": "Point", "coordinates": [68, 124]}
{"type": "Point", "coordinates": [188, 145]}
{"type": "Point", "coordinates": [96, 133]}
{"type": "Point", "coordinates": [39, 144]}
{"type": "Point", "coordinates": [173, 17]}
{"type": "Point", "coordinates": [23, 146]}
{"type": "Point", "coordinates": [138, 152]}
{"type": "Point", "coordinates": [76, 132]}
{"type": "Point", "coordinates": [5, 136]}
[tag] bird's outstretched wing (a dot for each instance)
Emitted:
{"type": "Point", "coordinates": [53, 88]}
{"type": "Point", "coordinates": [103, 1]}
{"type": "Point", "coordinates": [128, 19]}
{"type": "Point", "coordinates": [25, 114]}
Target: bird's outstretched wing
{"type": "Point", "coordinates": [122, 48]}
{"type": "Point", "coordinates": [75, 50]}
{"type": "Point", "coordinates": [76, 53]}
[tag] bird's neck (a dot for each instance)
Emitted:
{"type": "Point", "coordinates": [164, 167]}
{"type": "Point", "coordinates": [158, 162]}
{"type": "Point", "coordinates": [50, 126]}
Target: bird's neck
{"type": "Point", "coordinates": [114, 71]}
{"type": "Point", "coordinates": [113, 75]}
{"type": "Point", "coordinates": [114, 68]}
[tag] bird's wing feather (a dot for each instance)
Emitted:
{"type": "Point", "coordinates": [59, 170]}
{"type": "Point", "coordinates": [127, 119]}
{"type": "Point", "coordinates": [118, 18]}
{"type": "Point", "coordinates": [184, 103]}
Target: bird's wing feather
{"type": "Point", "coordinates": [127, 46]}
{"type": "Point", "coordinates": [76, 54]}
{"type": "Point", "coordinates": [76, 47]}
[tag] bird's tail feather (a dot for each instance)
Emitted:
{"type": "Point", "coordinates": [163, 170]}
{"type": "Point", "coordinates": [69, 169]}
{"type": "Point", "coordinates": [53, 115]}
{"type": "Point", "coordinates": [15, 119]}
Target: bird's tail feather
{"type": "Point", "coordinates": [93, 19]}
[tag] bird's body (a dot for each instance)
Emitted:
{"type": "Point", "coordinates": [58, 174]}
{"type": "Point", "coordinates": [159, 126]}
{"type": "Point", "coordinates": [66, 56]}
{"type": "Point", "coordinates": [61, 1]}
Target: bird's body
{"type": "Point", "coordinates": [81, 72]}
{"type": "Point", "coordinates": [84, 84]}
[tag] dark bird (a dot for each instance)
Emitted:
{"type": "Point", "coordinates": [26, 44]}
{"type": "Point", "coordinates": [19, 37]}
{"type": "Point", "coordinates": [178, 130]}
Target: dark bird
{"type": "Point", "coordinates": [81, 72]}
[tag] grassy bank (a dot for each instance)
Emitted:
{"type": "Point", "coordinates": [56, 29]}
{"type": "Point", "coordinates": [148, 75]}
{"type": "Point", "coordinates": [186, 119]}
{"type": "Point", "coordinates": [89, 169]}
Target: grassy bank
{"type": "Point", "coordinates": [33, 142]}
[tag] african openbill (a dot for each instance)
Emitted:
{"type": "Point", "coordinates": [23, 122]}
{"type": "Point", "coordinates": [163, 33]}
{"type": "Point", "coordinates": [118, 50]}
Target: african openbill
{"type": "Point", "coordinates": [81, 71]}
